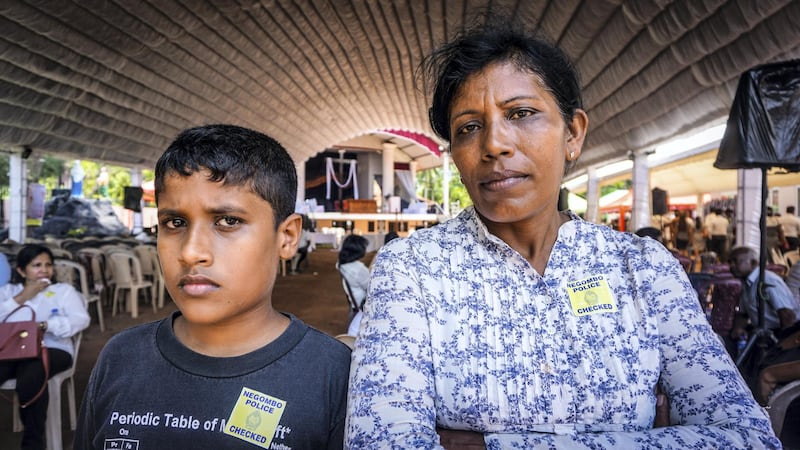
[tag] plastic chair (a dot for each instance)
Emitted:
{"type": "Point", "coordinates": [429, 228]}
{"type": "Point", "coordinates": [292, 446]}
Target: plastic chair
{"type": "Point", "coordinates": [776, 257]}
{"type": "Point", "coordinates": [702, 282]}
{"type": "Point", "coordinates": [150, 269]}
{"type": "Point", "coordinates": [127, 271]}
{"type": "Point", "coordinates": [779, 402]}
{"type": "Point", "coordinates": [158, 275]}
{"type": "Point", "coordinates": [779, 269]}
{"type": "Point", "coordinates": [95, 259]}
{"type": "Point", "coordinates": [347, 339]}
{"type": "Point", "coordinates": [685, 261]}
{"type": "Point", "coordinates": [720, 268]}
{"type": "Point", "coordinates": [66, 272]}
{"type": "Point", "coordinates": [707, 259]}
{"type": "Point", "coordinates": [354, 307]}
{"type": "Point", "coordinates": [791, 257]}
{"type": "Point", "coordinates": [53, 422]}
{"type": "Point", "coordinates": [725, 299]}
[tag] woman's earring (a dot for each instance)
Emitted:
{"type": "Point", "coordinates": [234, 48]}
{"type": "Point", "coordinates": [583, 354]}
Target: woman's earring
{"type": "Point", "coordinates": [571, 156]}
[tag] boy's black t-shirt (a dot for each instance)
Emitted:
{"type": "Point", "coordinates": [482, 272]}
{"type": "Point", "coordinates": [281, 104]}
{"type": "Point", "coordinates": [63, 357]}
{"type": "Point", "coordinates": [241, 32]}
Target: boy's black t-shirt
{"type": "Point", "coordinates": [150, 392]}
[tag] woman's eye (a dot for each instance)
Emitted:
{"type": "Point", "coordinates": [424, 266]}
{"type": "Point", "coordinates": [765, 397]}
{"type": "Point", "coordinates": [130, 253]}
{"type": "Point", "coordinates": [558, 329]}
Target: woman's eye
{"type": "Point", "coordinates": [229, 221]}
{"type": "Point", "coordinates": [520, 113]}
{"type": "Point", "coordinates": [468, 128]}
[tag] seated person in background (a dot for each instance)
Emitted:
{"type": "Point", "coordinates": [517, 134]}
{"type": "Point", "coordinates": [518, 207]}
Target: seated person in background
{"type": "Point", "coordinates": [61, 312]}
{"type": "Point", "coordinates": [780, 315]}
{"type": "Point", "coordinates": [651, 232]}
{"type": "Point", "coordinates": [302, 245]}
{"type": "Point", "coordinates": [520, 325]}
{"type": "Point", "coordinates": [5, 270]}
{"type": "Point", "coordinates": [793, 281]}
{"type": "Point", "coordinates": [390, 236]}
{"type": "Point", "coordinates": [782, 308]}
{"type": "Point", "coordinates": [355, 273]}
{"type": "Point", "coordinates": [225, 371]}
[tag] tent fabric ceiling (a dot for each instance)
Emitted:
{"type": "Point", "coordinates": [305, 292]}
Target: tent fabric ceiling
{"type": "Point", "coordinates": [116, 80]}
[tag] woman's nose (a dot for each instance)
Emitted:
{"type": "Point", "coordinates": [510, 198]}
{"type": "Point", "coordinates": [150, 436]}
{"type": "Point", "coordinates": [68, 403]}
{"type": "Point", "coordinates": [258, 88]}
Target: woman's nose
{"type": "Point", "coordinates": [496, 140]}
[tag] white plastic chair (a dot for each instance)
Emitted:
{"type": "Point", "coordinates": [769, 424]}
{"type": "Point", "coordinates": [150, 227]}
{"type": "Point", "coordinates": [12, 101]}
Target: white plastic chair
{"type": "Point", "coordinates": [777, 257]}
{"type": "Point", "coordinates": [65, 273]}
{"type": "Point", "coordinates": [127, 272]}
{"type": "Point", "coordinates": [791, 257]}
{"type": "Point", "coordinates": [100, 282]}
{"type": "Point", "coordinates": [158, 275]}
{"type": "Point", "coordinates": [354, 307]}
{"type": "Point", "coordinates": [779, 402]}
{"type": "Point", "coordinates": [151, 270]}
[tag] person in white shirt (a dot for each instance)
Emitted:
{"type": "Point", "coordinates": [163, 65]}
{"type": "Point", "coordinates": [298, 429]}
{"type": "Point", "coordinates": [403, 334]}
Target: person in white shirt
{"type": "Point", "coordinates": [791, 228]}
{"type": "Point", "coordinates": [61, 313]}
{"type": "Point", "coordinates": [717, 230]}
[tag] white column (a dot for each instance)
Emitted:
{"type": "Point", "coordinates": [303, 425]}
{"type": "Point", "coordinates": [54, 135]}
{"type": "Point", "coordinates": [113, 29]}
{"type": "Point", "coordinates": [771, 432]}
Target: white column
{"type": "Point", "coordinates": [446, 182]}
{"type": "Point", "coordinates": [136, 180]}
{"type": "Point", "coordinates": [592, 195]}
{"type": "Point", "coordinates": [748, 208]}
{"type": "Point", "coordinates": [388, 168]}
{"type": "Point", "coordinates": [18, 187]}
{"type": "Point", "coordinates": [640, 209]}
{"type": "Point", "coordinates": [300, 168]}
{"type": "Point", "coordinates": [412, 167]}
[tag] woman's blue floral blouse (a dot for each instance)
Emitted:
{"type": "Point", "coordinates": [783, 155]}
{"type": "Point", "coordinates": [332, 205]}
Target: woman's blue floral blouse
{"type": "Point", "coordinates": [461, 332]}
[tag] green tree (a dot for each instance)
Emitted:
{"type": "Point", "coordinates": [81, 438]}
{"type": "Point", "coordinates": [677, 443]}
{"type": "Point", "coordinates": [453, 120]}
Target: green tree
{"type": "Point", "coordinates": [430, 182]}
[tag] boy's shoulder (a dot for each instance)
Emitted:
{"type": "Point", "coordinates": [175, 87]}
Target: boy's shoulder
{"type": "Point", "coordinates": [321, 345]}
{"type": "Point", "coordinates": [135, 335]}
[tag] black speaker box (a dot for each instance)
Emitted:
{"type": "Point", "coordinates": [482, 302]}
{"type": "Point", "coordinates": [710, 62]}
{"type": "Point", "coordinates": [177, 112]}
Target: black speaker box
{"type": "Point", "coordinates": [659, 202]}
{"type": "Point", "coordinates": [563, 199]}
{"type": "Point", "coordinates": [132, 198]}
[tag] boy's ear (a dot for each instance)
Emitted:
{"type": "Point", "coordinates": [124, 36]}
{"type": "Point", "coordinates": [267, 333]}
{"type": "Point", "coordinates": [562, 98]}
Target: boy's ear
{"type": "Point", "coordinates": [289, 236]}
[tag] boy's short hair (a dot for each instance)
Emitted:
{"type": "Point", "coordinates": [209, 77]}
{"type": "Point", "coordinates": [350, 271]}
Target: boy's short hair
{"type": "Point", "coordinates": [236, 156]}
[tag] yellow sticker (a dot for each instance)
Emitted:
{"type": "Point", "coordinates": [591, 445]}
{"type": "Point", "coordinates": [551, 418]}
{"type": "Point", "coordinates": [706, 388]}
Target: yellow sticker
{"type": "Point", "coordinates": [49, 293]}
{"type": "Point", "coordinates": [255, 417]}
{"type": "Point", "coordinates": [591, 296]}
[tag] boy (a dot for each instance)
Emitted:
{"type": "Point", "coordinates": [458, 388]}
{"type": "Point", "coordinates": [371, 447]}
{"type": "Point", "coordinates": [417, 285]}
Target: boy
{"type": "Point", "coordinates": [226, 371]}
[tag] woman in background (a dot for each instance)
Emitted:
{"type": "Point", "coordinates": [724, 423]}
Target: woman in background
{"type": "Point", "coordinates": [61, 313]}
{"type": "Point", "coordinates": [356, 274]}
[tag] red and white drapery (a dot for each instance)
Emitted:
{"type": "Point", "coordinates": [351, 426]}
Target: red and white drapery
{"type": "Point", "coordinates": [330, 174]}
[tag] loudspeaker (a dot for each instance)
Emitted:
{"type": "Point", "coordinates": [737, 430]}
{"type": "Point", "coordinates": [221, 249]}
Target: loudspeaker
{"type": "Point", "coordinates": [563, 199]}
{"type": "Point", "coordinates": [659, 202]}
{"type": "Point", "coordinates": [132, 198]}
{"type": "Point", "coordinates": [764, 119]}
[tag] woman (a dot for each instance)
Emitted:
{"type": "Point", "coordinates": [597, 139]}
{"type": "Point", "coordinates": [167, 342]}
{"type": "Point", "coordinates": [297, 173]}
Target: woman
{"type": "Point", "coordinates": [355, 273]}
{"type": "Point", "coordinates": [526, 324]}
{"type": "Point", "coordinates": [683, 231]}
{"type": "Point", "coordinates": [61, 313]}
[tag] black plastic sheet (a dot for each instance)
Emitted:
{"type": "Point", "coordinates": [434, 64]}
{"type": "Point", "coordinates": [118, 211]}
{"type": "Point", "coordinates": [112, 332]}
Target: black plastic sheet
{"type": "Point", "coordinates": [763, 128]}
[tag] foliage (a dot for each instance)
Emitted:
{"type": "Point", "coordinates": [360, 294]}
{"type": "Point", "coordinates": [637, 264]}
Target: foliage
{"type": "Point", "coordinates": [609, 188]}
{"type": "Point", "coordinates": [53, 173]}
{"type": "Point", "coordinates": [430, 182]}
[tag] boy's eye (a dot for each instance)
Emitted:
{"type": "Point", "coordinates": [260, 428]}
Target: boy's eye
{"type": "Point", "coordinates": [228, 221]}
{"type": "Point", "coordinates": [172, 223]}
